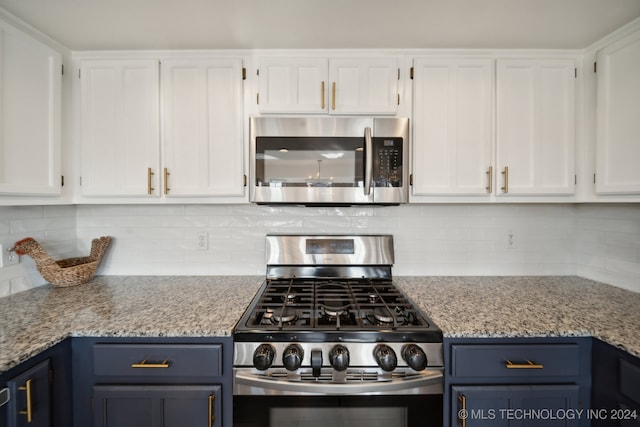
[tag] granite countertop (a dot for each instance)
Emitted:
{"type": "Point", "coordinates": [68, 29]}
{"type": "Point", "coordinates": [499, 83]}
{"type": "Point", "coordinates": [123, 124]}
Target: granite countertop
{"type": "Point", "coordinates": [533, 306]}
{"type": "Point", "coordinates": [201, 306]}
{"type": "Point", "coordinates": [122, 306]}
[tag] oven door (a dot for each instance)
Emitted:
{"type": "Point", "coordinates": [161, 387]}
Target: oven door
{"type": "Point", "coordinates": [338, 411]}
{"type": "Point", "coordinates": [328, 161]}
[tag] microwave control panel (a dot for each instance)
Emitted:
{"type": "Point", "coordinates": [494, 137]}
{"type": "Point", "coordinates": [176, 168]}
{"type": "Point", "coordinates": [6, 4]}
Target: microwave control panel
{"type": "Point", "coordinates": [387, 162]}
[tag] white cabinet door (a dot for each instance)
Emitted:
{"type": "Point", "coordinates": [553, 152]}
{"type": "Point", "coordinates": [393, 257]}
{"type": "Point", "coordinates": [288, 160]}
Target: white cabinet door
{"type": "Point", "coordinates": [535, 126]}
{"type": "Point", "coordinates": [293, 85]}
{"type": "Point", "coordinates": [363, 86]}
{"type": "Point", "coordinates": [618, 117]}
{"type": "Point", "coordinates": [30, 95]}
{"type": "Point", "coordinates": [452, 126]}
{"type": "Point", "coordinates": [203, 127]}
{"type": "Point", "coordinates": [120, 127]}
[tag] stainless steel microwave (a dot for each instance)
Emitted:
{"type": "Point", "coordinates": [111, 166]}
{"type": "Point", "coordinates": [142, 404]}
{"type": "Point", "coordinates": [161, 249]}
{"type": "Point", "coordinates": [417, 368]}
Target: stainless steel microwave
{"type": "Point", "coordinates": [329, 161]}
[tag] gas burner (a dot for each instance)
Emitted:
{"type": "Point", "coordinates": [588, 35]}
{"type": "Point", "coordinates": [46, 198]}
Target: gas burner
{"type": "Point", "coordinates": [284, 315]}
{"type": "Point", "coordinates": [333, 299]}
{"type": "Point", "coordinates": [290, 298]}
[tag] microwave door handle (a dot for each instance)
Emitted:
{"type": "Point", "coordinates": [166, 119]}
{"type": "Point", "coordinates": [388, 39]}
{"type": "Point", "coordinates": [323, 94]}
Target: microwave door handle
{"type": "Point", "coordinates": [368, 161]}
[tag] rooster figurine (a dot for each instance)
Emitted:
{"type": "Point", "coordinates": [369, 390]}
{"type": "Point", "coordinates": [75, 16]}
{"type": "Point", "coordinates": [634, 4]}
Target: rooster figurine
{"type": "Point", "coordinates": [64, 272]}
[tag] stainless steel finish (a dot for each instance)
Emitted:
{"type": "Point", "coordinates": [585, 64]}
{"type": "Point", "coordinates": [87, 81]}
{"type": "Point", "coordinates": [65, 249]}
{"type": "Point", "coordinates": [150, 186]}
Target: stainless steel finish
{"type": "Point", "coordinates": [289, 249]}
{"type": "Point", "coordinates": [360, 354]}
{"type": "Point", "coordinates": [368, 161]}
{"type": "Point", "coordinates": [349, 382]}
{"type": "Point", "coordinates": [328, 127]}
{"type": "Point", "coordinates": [4, 396]}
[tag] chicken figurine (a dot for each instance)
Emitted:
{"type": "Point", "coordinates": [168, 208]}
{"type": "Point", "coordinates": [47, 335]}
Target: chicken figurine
{"type": "Point", "coordinates": [64, 272]}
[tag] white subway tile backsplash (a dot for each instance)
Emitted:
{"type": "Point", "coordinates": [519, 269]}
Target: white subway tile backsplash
{"type": "Point", "coordinates": [601, 242]}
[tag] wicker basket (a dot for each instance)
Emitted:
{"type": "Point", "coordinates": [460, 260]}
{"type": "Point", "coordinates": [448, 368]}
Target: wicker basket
{"type": "Point", "coordinates": [64, 272]}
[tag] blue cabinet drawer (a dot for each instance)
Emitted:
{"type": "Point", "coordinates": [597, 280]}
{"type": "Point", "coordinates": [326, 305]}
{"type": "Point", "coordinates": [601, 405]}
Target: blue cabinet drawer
{"type": "Point", "coordinates": [157, 360]}
{"type": "Point", "coordinates": [515, 360]}
{"type": "Point", "coordinates": [630, 381]}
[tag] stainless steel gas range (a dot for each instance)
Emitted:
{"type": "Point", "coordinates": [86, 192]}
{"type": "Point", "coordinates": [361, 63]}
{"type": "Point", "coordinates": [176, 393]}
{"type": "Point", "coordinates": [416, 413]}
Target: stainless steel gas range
{"type": "Point", "coordinates": [330, 332]}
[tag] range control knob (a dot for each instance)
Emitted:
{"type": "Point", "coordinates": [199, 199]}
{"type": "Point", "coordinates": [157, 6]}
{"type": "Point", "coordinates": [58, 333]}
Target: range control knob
{"type": "Point", "coordinates": [263, 356]}
{"type": "Point", "coordinates": [385, 357]}
{"type": "Point", "coordinates": [414, 356]}
{"type": "Point", "coordinates": [292, 357]}
{"type": "Point", "coordinates": [339, 357]}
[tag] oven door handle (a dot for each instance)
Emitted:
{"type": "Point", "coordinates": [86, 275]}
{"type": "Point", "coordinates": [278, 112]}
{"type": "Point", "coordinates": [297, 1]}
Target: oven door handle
{"type": "Point", "coordinates": [425, 378]}
{"type": "Point", "coordinates": [368, 161]}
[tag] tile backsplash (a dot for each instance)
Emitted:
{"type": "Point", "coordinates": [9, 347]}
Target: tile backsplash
{"type": "Point", "coordinates": [595, 241]}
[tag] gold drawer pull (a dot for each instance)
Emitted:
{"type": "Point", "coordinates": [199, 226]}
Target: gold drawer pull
{"type": "Point", "coordinates": [462, 413]}
{"type": "Point", "coordinates": [528, 365]}
{"type": "Point", "coordinates": [29, 411]}
{"type": "Point", "coordinates": [211, 414]}
{"type": "Point", "coordinates": [145, 364]}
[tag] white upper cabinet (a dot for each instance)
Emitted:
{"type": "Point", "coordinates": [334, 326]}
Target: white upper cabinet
{"type": "Point", "coordinates": [333, 86]}
{"type": "Point", "coordinates": [535, 143]}
{"type": "Point", "coordinates": [120, 115]}
{"type": "Point", "coordinates": [290, 85]}
{"type": "Point", "coordinates": [452, 126]}
{"type": "Point", "coordinates": [364, 86]}
{"type": "Point", "coordinates": [202, 127]}
{"type": "Point", "coordinates": [30, 116]}
{"type": "Point", "coordinates": [618, 117]}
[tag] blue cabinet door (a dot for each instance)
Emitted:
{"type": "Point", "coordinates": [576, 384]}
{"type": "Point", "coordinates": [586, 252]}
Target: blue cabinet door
{"type": "Point", "coordinates": [515, 406]}
{"type": "Point", "coordinates": [157, 405]}
{"type": "Point", "coordinates": [30, 392]}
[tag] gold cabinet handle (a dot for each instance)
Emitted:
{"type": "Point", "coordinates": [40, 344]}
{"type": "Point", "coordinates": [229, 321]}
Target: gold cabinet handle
{"type": "Point", "coordinates": [462, 414]}
{"type": "Point", "coordinates": [144, 364]}
{"type": "Point", "coordinates": [527, 365]}
{"type": "Point", "coordinates": [489, 186]}
{"type": "Point", "coordinates": [333, 96]}
{"type": "Point", "coordinates": [29, 411]}
{"type": "Point", "coordinates": [322, 95]}
{"type": "Point", "coordinates": [166, 181]}
{"type": "Point", "coordinates": [150, 188]}
{"type": "Point", "coordinates": [212, 416]}
{"type": "Point", "coordinates": [505, 174]}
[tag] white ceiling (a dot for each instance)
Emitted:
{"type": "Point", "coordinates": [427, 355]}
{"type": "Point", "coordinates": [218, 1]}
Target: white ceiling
{"type": "Point", "coordinates": [248, 24]}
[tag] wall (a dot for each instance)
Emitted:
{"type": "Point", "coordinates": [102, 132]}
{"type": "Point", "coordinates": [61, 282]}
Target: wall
{"type": "Point", "coordinates": [597, 241]}
{"type": "Point", "coordinates": [608, 244]}
{"type": "Point", "coordinates": [430, 239]}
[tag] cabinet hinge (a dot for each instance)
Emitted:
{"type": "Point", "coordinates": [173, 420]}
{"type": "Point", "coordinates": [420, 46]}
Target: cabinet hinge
{"type": "Point", "coordinates": [244, 180]}
{"type": "Point", "coordinates": [411, 179]}
{"type": "Point", "coordinates": [595, 67]}
{"type": "Point", "coordinates": [244, 73]}
{"type": "Point", "coordinates": [411, 73]}
{"type": "Point", "coordinates": [61, 180]}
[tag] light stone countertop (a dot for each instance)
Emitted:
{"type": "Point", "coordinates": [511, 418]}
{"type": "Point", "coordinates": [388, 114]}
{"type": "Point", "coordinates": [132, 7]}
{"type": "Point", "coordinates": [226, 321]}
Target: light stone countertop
{"type": "Point", "coordinates": [530, 306]}
{"type": "Point", "coordinates": [206, 306]}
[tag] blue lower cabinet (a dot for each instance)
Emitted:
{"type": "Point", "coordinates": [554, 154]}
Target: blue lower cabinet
{"type": "Point", "coordinates": [517, 382]}
{"type": "Point", "coordinates": [151, 406]}
{"type": "Point", "coordinates": [506, 405]}
{"type": "Point", "coordinates": [30, 392]}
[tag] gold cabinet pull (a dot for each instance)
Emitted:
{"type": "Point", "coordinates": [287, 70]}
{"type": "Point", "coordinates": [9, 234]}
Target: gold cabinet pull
{"type": "Point", "coordinates": [527, 365]}
{"type": "Point", "coordinates": [322, 95]}
{"type": "Point", "coordinates": [505, 174]}
{"type": "Point", "coordinates": [462, 414]}
{"type": "Point", "coordinates": [166, 181]}
{"type": "Point", "coordinates": [29, 411]}
{"type": "Point", "coordinates": [144, 364]}
{"type": "Point", "coordinates": [489, 186]}
{"type": "Point", "coordinates": [150, 188]}
{"type": "Point", "coordinates": [333, 96]}
{"type": "Point", "coordinates": [212, 417]}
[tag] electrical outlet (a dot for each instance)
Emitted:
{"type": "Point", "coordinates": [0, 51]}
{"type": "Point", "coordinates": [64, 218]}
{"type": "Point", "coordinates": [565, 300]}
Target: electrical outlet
{"type": "Point", "coordinates": [510, 242]}
{"type": "Point", "coordinates": [203, 241]}
{"type": "Point", "coordinates": [8, 257]}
